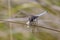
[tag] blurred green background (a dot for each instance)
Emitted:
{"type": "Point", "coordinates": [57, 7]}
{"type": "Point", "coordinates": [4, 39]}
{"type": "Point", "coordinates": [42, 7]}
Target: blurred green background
{"type": "Point", "coordinates": [31, 7]}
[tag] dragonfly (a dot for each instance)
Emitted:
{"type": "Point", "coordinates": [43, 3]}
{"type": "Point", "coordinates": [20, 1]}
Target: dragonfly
{"type": "Point", "coordinates": [34, 17]}
{"type": "Point", "coordinates": [29, 20]}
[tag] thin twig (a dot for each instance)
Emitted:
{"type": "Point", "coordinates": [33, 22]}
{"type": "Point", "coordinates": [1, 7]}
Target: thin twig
{"type": "Point", "coordinates": [34, 25]}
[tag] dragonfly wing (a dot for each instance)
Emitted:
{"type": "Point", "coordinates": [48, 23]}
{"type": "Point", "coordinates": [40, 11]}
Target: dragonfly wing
{"type": "Point", "coordinates": [16, 19]}
{"type": "Point", "coordinates": [42, 13]}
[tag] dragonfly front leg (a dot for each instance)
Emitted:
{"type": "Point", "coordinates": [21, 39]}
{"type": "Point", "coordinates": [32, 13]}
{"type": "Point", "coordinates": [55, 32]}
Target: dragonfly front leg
{"type": "Point", "coordinates": [29, 24]}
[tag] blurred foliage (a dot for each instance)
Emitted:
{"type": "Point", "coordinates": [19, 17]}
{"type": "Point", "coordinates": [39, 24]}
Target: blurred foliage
{"type": "Point", "coordinates": [2, 38]}
{"type": "Point", "coordinates": [26, 6]}
{"type": "Point", "coordinates": [2, 7]}
{"type": "Point", "coordinates": [54, 2]}
{"type": "Point", "coordinates": [39, 36]}
{"type": "Point", "coordinates": [18, 36]}
{"type": "Point", "coordinates": [32, 37]}
{"type": "Point", "coordinates": [2, 15]}
{"type": "Point", "coordinates": [3, 26]}
{"type": "Point", "coordinates": [45, 36]}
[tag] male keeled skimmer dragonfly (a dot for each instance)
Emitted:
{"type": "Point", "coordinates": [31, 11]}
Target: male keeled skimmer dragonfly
{"type": "Point", "coordinates": [34, 17]}
{"type": "Point", "coordinates": [31, 19]}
